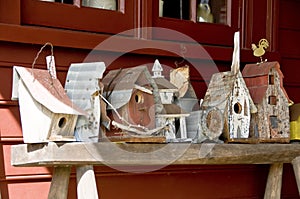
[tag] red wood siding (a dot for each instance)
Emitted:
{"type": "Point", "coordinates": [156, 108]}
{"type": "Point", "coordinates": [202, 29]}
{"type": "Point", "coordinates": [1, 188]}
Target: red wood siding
{"type": "Point", "coordinates": [19, 45]}
{"type": "Point", "coordinates": [289, 46]}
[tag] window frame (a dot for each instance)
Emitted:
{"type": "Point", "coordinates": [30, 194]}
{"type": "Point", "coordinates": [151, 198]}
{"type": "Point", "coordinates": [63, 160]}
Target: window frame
{"type": "Point", "coordinates": [76, 17]}
{"type": "Point", "coordinates": [205, 33]}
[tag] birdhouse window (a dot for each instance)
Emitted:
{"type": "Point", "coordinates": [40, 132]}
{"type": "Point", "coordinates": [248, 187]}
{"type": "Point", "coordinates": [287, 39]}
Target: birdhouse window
{"type": "Point", "coordinates": [272, 100]}
{"type": "Point", "coordinates": [271, 79]}
{"type": "Point", "coordinates": [274, 122]}
{"type": "Point", "coordinates": [237, 107]}
{"type": "Point", "coordinates": [62, 122]}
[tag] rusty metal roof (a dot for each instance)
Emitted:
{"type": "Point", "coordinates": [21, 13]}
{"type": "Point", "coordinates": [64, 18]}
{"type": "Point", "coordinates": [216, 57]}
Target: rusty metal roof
{"type": "Point", "coordinates": [119, 84]}
{"type": "Point", "coordinates": [45, 90]}
{"type": "Point", "coordinates": [261, 69]}
{"type": "Point", "coordinates": [257, 80]}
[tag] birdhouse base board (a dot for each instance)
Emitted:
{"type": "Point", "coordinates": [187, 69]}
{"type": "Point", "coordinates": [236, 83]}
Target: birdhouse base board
{"type": "Point", "coordinates": [258, 140]}
{"type": "Point", "coordinates": [62, 139]}
{"type": "Point", "coordinates": [132, 139]}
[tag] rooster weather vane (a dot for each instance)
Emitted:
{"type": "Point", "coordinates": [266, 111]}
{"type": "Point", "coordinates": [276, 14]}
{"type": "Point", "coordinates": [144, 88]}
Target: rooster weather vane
{"type": "Point", "coordinates": [259, 50]}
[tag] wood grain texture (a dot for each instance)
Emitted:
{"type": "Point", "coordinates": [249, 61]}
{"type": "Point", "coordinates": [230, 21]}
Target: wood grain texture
{"type": "Point", "coordinates": [52, 154]}
{"type": "Point", "coordinates": [296, 167]}
{"type": "Point", "coordinates": [60, 183]}
{"type": "Point", "coordinates": [274, 183]}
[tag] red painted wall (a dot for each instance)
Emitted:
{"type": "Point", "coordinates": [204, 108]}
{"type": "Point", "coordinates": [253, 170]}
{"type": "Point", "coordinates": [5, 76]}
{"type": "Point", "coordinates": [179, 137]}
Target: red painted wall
{"type": "Point", "coordinates": [19, 45]}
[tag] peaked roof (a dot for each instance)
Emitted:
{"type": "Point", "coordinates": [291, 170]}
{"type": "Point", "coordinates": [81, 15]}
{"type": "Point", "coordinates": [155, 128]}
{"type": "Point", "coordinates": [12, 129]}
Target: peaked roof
{"type": "Point", "coordinates": [163, 83]}
{"type": "Point", "coordinates": [45, 90]}
{"type": "Point", "coordinates": [257, 80]}
{"type": "Point", "coordinates": [220, 88]}
{"type": "Point", "coordinates": [119, 84]}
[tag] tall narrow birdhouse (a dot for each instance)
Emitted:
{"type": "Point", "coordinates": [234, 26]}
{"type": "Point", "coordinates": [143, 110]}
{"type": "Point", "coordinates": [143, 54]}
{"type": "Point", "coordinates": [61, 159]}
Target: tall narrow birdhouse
{"type": "Point", "coordinates": [227, 103]}
{"type": "Point", "coordinates": [84, 88]}
{"type": "Point", "coordinates": [171, 113]}
{"type": "Point", "coordinates": [47, 114]}
{"type": "Point", "coordinates": [265, 83]}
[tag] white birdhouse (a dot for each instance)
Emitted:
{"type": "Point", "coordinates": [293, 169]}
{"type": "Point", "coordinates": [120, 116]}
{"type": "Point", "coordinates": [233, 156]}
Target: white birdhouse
{"type": "Point", "coordinates": [47, 114]}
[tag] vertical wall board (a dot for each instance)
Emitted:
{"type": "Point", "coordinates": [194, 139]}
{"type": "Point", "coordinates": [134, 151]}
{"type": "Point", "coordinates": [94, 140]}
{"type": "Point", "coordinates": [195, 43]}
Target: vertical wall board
{"type": "Point", "coordinates": [21, 171]}
{"type": "Point", "coordinates": [28, 189]}
{"type": "Point", "coordinates": [6, 83]}
{"type": "Point", "coordinates": [10, 126]}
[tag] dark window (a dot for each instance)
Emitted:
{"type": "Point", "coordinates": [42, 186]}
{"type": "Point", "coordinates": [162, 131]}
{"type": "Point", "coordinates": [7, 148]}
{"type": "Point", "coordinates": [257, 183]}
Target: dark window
{"type": "Point", "coordinates": [271, 79]}
{"type": "Point", "coordinates": [274, 122]}
{"type": "Point", "coordinates": [272, 100]}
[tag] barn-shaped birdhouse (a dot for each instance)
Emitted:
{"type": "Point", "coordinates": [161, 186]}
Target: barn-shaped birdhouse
{"type": "Point", "coordinates": [265, 83]}
{"type": "Point", "coordinates": [47, 114]}
{"type": "Point", "coordinates": [227, 103]}
{"type": "Point", "coordinates": [172, 115]}
{"type": "Point", "coordinates": [133, 98]}
{"type": "Point", "coordinates": [83, 86]}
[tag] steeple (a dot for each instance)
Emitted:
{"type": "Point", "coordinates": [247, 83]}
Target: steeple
{"type": "Point", "coordinates": [157, 69]}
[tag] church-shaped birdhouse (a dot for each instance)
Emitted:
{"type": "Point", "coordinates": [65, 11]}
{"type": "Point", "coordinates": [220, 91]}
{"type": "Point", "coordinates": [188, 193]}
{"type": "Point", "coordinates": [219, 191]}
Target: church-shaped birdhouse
{"type": "Point", "coordinates": [227, 103]}
{"type": "Point", "coordinates": [171, 114]}
{"type": "Point", "coordinates": [265, 83]}
{"type": "Point", "coordinates": [47, 113]}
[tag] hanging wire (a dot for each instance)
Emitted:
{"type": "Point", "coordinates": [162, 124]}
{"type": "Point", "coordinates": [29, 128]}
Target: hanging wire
{"type": "Point", "coordinates": [38, 54]}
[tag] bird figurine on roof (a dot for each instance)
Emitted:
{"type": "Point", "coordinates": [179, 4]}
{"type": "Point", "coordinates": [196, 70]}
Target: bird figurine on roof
{"type": "Point", "coordinates": [259, 50]}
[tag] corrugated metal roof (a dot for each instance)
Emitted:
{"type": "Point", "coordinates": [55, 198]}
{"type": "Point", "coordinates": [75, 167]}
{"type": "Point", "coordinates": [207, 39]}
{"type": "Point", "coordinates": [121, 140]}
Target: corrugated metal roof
{"type": "Point", "coordinates": [82, 81]}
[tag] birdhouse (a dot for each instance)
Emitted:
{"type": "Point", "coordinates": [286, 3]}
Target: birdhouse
{"type": "Point", "coordinates": [265, 83]}
{"type": "Point", "coordinates": [84, 88]}
{"type": "Point", "coordinates": [227, 104]}
{"type": "Point", "coordinates": [134, 100]}
{"type": "Point", "coordinates": [171, 112]}
{"type": "Point", "coordinates": [47, 114]}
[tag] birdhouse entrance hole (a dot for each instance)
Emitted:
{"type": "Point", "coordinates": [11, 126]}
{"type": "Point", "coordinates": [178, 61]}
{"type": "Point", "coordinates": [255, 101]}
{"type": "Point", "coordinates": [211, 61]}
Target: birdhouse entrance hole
{"type": "Point", "coordinates": [62, 122]}
{"type": "Point", "coordinates": [237, 108]}
{"type": "Point", "coordinates": [139, 98]}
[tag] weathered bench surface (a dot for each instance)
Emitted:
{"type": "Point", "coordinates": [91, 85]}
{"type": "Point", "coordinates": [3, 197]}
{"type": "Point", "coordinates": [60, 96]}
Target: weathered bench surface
{"type": "Point", "coordinates": [80, 153]}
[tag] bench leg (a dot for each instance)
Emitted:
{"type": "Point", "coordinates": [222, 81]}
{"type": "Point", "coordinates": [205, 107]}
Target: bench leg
{"type": "Point", "coordinates": [296, 167]}
{"type": "Point", "coordinates": [273, 187]}
{"type": "Point", "coordinates": [86, 182]}
{"type": "Point", "coordinates": [60, 183]}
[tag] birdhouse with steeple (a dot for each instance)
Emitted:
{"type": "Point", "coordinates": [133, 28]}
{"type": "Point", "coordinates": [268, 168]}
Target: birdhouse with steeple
{"type": "Point", "coordinates": [171, 112]}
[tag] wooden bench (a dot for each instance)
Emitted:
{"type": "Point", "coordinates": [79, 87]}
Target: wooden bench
{"type": "Point", "coordinates": [62, 156]}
